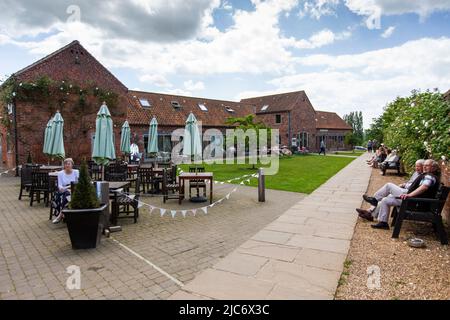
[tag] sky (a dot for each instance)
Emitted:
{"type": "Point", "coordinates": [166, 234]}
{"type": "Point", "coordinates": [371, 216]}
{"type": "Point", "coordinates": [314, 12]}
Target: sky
{"type": "Point", "coordinates": [348, 55]}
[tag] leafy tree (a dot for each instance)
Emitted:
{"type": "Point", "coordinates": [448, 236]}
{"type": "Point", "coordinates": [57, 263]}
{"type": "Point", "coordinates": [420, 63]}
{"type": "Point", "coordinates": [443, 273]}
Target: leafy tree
{"type": "Point", "coordinates": [84, 196]}
{"type": "Point", "coordinates": [355, 120]}
{"type": "Point", "coordinates": [417, 126]}
{"type": "Point", "coordinates": [352, 140]}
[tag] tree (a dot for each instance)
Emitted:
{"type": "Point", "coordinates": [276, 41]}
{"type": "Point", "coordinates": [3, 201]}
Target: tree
{"type": "Point", "coordinates": [84, 196]}
{"type": "Point", "coordinates": [355, 120]}
{"type": "Point", "coordinates": [417, 126]}
{"type": "Point", "coordinates": [246, 123]}
{"type": "Point", "coordinates": [352, 140]}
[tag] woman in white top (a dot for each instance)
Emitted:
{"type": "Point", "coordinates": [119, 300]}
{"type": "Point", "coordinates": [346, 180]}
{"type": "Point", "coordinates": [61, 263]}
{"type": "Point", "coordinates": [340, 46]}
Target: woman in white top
{"type": "Point", "coordinates": [65, 179]}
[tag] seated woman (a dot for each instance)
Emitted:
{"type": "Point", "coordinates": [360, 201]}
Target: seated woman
{"type": "Point", "coordinates": [390, 160]}
{"type": "Point", "coordinates": [65, 179]}
{"type": "Point", "coordinates": [380, 157]}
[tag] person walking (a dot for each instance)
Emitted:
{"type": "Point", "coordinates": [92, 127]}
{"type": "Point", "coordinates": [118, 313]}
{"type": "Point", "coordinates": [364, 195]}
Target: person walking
{"type": "Point", "coordinates": [322, 148]}
{"type": "Point", "coordinates": [369, 146]}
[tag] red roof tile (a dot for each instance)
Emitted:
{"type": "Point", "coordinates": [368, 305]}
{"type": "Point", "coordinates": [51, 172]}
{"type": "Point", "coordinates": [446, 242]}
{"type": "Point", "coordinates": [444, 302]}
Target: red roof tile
{"type": "Point", "coordinates": [278, 102]}
{"type": "Point", "coordinates": [167, 115]}
{"type": "Point", "coordinates": [330, 120]}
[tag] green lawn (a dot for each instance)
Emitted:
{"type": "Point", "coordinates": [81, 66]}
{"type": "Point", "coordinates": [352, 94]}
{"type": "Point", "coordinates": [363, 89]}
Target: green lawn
{"type": "Point", "coordinates": [301, 174]}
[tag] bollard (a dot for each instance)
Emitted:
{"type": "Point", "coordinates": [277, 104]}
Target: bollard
{"type": "Point", "coordinates": [261, 186]}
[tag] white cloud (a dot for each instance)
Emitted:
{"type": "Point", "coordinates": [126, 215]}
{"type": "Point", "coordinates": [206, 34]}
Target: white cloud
{"type": "Point", "coordinates": [370, 80]}
{"type": "Point", "coordinates": [194, 86]}
{"type": "Point", "coordinates": [157, 80]}
{"type": "Point", "coordinates": [374, 9]}
{"type": "Point", "coordinates": [318, 8]}
{"type": "Point", "coordinates": [388, 32]}
{"type": "Point", "coordinates": [319, 39]}
{"type": "Point", "coordinates": [253, 44]}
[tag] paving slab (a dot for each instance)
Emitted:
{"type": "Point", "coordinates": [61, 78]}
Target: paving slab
{"type": "Point", "coordinates": [301, 254]}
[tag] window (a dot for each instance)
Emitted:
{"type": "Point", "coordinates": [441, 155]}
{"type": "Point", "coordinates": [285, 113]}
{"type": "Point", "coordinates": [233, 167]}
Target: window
{"type": "Point", "coordinates": [229, 109]}
{"type": "Point", "coordinates": [264, 108]}
{"type": "Point", "coordinates": [278, 118]}
{"type": "Point", "coordinates": [164, 143]}
{"type": "Point", "coordinates": [203, 107]}
{"type": "Point", "coordinates": [176, 104]}
{"type": "Point", "coordinates": [145, 103]}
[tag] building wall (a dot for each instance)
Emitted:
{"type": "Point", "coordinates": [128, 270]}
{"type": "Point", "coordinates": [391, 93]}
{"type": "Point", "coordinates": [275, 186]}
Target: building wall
{"type": "Point", "coordinates": [334, 139]}
{"type": "Point", "coordinates": [269, 119]}
{"type": "Point", "coordinates": [79, 128]}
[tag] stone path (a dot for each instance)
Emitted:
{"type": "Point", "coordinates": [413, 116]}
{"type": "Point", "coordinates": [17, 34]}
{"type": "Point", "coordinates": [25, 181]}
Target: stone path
{"type": "Point", "coordinates": [298, 256]}
{"type": "Point", "coordinates": [35, 254]}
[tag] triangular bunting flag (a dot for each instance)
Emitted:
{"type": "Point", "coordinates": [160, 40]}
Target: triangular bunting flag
{"type": "Point", "coordinates": [194, 212]}
{"type": "Point", "coordinates": [163, 212]}
{"type": "Point", "coordinates": [228, 196]}
{"type": "Point", "coordinates": [183, 212]}
{"type": "Point", "coordinates": [174, 213]}
{"type": "Point", "coordinates": [205, 210]}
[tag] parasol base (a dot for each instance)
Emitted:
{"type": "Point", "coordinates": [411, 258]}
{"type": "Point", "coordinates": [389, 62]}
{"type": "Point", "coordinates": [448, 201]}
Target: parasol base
{"type": "Point", "coordinates": [198, 199]}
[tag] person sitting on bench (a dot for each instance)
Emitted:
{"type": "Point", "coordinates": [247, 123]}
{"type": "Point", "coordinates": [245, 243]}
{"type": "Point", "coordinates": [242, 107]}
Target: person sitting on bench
{"type": "Point", "coordinates": [390, 161]}
{"type": "Point", "coordinates": [392, 195]}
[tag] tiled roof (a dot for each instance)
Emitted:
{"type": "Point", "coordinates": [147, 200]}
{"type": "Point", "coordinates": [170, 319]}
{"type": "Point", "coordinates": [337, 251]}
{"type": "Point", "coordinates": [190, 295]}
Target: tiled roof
{"type": "Point", "coordinates": [167, 115]}
{"type": "Point", "coordinates": [278, 102]}
{"type": "Point", "coordinates": [330, 120]}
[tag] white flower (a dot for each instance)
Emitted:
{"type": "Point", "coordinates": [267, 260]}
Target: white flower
{"type": "Point", "coordinates": [14, 94]}
{"type": "Point", "coordinates": [434, 132]}
{"type": "Point", "coordinates": [443, 158]}
{"type": "Point", "coordinates": [61, 88]}
{"type": "Point", "coordinates": [70, 86]}
{"type": "Point", "coordinates": [425, 143]}
{"type": "Point", "coordinates": [20, 84]}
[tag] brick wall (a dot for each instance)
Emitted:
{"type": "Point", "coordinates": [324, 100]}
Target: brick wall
{"type": "Point", "coordinates": [79, 127]}
{"type": "Point", "coordinates": [270, 121]}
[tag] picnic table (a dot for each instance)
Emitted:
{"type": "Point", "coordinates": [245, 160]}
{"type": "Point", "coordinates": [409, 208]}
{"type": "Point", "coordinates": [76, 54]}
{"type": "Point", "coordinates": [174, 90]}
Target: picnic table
{"type": "Point", "coordinates": [195, 176]}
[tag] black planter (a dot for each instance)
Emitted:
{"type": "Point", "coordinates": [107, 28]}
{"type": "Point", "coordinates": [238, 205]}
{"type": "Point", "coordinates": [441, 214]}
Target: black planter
{"type": "Point", "coordinates": [85, 227]}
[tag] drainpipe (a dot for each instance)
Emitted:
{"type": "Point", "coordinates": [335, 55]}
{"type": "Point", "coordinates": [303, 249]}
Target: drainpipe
{"type": "Point", "coordinates": [16, 142]}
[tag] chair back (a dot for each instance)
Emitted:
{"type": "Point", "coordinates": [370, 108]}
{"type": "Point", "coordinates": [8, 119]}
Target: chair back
{"type": "Point", "coordinates": [39, 180]}
{"type": "Point", "coordinates": [95, 171]}
{"type": "Point", "coordinates": [441, 195]}
{"type": "Point", "coordinates": [116, 172]}
{"type": "Point", "coordinates": [26, 175]}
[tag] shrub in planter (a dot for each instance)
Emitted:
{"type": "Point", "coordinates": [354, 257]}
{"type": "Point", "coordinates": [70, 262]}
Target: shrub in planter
{"type": "Point", "coordinates": [83, 215]}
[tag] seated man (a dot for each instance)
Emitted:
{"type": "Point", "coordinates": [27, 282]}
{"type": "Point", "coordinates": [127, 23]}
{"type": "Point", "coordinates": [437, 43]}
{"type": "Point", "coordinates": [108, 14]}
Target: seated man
{"type": "Point", "coordinates": [392, 195]}
{"type": "Point", "coordinates": [391, 160]}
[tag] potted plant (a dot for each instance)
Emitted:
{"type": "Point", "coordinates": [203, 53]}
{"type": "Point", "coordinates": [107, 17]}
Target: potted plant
{"type": "Point", "coordinates": [83, 217]}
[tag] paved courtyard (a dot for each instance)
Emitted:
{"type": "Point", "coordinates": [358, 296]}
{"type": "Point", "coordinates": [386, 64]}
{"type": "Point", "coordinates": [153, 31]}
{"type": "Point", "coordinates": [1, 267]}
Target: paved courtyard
{"type": "Point", "coordinates": [300, 255]}
{"type": "Point", "coordinates": [147, 260]}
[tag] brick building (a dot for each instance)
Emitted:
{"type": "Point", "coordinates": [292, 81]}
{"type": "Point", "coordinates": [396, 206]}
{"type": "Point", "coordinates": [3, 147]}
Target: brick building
{"type": "Point", "coordinates": [24, 120]}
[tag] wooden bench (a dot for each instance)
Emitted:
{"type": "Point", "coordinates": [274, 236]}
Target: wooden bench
{"type": "Point", "coordinates": [423, 209]}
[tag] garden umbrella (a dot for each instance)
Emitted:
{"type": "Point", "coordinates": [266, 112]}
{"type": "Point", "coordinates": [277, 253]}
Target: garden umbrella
{"type": "Point", "coordinates": [125, 139]}
{"type": "Point", "coordinates": [48, 137]}
{"type": "Point", "coordinates": [104, 150]}
{"type": "Point", "coordinates": [56, 145]}
{"type": "Point", "coordinates": [192, 143]}
{"type": "Point", "coordinates": [152, 146]}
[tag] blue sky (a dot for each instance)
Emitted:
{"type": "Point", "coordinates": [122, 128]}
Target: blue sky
{"type": "Point", "coordinates": [346, 54]}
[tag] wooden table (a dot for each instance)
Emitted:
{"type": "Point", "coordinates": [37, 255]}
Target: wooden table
{"type": "Point", "coordinates": [195, 176]}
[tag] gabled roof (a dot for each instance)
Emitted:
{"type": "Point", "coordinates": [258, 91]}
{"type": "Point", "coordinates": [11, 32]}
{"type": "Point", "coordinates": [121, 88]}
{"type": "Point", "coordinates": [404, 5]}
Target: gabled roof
{"type": "Point", "coordinates": [60, 65]}
{"type": "Point", "coordinates": [279, 102]}
{"type": "Point", "coordinates": [330, 120]}
{"type": "Point", "coordinates": [167, 115]}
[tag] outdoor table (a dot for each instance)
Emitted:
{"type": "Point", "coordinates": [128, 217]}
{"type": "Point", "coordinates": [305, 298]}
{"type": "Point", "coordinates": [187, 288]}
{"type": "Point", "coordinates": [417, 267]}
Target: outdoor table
{"type": "Point", "coordinates": [195, 176]}
{"type": "Point", "coordinates": [50, 168]}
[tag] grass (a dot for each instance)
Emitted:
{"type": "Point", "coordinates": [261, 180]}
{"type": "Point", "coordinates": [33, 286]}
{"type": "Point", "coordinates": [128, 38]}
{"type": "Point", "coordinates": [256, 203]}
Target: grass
{"type": "Point", "coordinates": [301, 174]}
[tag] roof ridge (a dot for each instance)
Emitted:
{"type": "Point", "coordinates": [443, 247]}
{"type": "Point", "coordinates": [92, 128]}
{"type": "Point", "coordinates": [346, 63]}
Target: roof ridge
{"type": "Point", "coordinates": [187, 97]}
{"type": "Point", "coordinates": [50, 55]}
{"type": "Point", "coordinates": [273, 95]}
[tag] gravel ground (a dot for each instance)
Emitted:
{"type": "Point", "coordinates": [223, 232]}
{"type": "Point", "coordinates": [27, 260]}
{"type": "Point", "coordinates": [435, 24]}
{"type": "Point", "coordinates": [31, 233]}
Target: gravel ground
{"type": "Point", "coordinates": [406, 273]}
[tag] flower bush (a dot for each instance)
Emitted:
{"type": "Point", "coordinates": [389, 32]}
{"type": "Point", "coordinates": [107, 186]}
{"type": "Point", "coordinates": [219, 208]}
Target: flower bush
{"type": "Point", "coordinates": [417, 126]}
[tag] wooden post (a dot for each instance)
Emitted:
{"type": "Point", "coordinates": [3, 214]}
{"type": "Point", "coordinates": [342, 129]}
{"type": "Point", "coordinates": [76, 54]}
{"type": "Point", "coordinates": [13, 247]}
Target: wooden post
{"type": "Point", "coordinates": [261, 186]}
